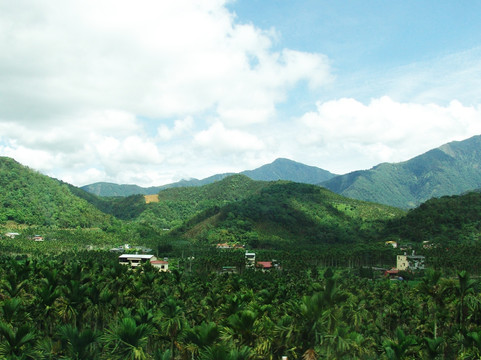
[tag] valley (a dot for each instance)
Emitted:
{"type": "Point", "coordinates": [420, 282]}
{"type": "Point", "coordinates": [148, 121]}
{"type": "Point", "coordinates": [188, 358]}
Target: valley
{"type": "Point", "coordinates": [321, 284]}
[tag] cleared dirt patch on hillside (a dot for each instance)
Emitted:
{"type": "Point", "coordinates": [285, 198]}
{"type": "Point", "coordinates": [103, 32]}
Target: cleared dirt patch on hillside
{"type": "Point", "coordinates": [151, 198]}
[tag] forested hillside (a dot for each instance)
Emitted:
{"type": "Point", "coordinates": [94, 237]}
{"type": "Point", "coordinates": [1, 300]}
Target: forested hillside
{"type": "Point", "coordinates": [286, 213]}
{"type": "Point", "coordinates": [448, 170]}
{"type": "Point", "coordinates": [448, 220]}
{"type": "Point", "coordinates": [177, 205]}
{"type": "Point", "coordinates": [27, 197]}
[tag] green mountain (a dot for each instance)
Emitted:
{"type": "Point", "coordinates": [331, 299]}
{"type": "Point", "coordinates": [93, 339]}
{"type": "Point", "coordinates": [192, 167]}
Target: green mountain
{"type": "Point", "coordinates": [285, 169]}
{"type": "Point", "coordinates": [280, 169]}
{"type": "Point", "coordinates": [176, 205]}
{"type": "Point", "coordinates": [447, 220]}
{"type": "Point", "coordinates": [122, 207]}
{"type": "Point", "coordinates": [285, 213]}
{"type": "Point", "coordinates": [111, 189]}
{"type": "Point", "coordinates": [451, 169]}
{"type": "Point", "coordinates": [28, 197]}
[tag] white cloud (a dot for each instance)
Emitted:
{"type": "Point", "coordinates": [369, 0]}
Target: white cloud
{"type": "Point", "coordinates": [219, 139]}
{"type": "Point", "coordinates": [76, 77]}
{"type": "Point", "coordinates": [181, 127]}
{"type": "Point", "coordinates": [362, 135]}
{"type": "Point", "coordinates": [149, 58]}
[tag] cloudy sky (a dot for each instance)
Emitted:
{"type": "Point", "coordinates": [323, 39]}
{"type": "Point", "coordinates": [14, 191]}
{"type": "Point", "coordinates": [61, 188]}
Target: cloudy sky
{"type": "Point", "coordinates": [150, 92]}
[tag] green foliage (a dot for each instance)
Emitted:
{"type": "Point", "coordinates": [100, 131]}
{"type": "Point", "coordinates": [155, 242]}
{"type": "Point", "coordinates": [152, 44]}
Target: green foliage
{"type": "Point", "coordinates": [27, 197]}
{"type": "Point", "coordinates": [444, 221]}
{"type": "Point", "coordinates": [283, 213]}
{"type": "Point", "coordinates": [85, 305]}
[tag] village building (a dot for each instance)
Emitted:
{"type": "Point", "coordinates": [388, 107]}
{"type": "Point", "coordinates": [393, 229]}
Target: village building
{"type": "Point", "coordinates": [223, 246]}
{"type": "Point", "coordinates": [250, 259]}
{"type": "Point", "coordinates": [12, 235]}
{"type": "Point", "coordinates": [264, 265]}
{"type": "Point", "coordinates": [135, 260]}
{"type": "Point", "coordinates": [162, 265]}
{"type": "Point", "coordinates": [410, 262]}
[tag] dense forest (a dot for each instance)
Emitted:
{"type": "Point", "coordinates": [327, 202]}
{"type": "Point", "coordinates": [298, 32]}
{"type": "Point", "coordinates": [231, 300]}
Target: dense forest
{"type": "Point", "coordinates": [88, 306]}
{"type": "Point", "coordinates": [30, 198]}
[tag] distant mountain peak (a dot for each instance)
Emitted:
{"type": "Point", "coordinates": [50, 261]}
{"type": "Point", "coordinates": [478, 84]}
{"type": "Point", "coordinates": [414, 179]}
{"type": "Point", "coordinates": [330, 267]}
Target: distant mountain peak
{"type": "Point", "coordinates": [279, 169]}
{"type": "Point", "coordinates": [450, 169]}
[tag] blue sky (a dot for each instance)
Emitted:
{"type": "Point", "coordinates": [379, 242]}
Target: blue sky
{"type": "Point", "coordinates": [152, 92]}
{"type": "Point", "coordinates": [366, 40]}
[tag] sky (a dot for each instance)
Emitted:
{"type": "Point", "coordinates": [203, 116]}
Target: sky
{"type": "Point", "coordinates": [151, 92]}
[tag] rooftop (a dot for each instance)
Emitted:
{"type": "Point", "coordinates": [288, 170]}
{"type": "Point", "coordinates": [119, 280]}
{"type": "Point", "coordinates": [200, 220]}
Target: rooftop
{"type": "Point", "coordinates": [135, 256]}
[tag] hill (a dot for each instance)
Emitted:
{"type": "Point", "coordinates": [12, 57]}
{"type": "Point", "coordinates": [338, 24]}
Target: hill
{"type": "Point", "coordinates": [287, 213]}
{"type": "Point", "coordinates": [280, 169]}
{"type": "Point", "coordinates": [448, 170]}
{"type": "Point", "coordinates": [176, 205]}
{"type": "Point", "coordinates": [28, 197]}
{"type": "Point", "coordinates": [449, 220]}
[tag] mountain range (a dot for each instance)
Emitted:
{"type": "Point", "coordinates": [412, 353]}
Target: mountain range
{"type": "Point", "coordinates": [268, 214]}
{"type": "Point", "coordinates": [450, 169]}
{"type": "Point", "coordinates": [280, 169]}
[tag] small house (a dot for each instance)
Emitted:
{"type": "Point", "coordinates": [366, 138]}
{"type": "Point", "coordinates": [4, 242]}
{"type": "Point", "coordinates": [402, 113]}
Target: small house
{"type": "Point", "coordinates": [264, 265]}
{"type": "Point", "coordinates": [393, 274]}
{"type": "Point", "coordinates": [229, 269]}
{"type": "Point", "coordinates": [223, 246]}
{"type": "Point", "coordinates": [135, 260]}
{"type": "Point", "coordinates": [410, 262]}
{"type": "Point", "coordinates": [12, 235]}
{"type": "Point", "coordinates": [162, 265]}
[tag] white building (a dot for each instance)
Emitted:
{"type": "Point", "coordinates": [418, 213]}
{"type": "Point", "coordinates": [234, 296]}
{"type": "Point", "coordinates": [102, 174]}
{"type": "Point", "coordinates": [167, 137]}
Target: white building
{"type": "Point", "coordinates": [162, 265]}
{"type": "Point", "coordinates": [410, 262]}
{"type": "Point", "coordinates": [11, 235]}
{"type": "Point", "coordinates": [135, 260]}
{"type": "Point", "coordinates": [250, 259]}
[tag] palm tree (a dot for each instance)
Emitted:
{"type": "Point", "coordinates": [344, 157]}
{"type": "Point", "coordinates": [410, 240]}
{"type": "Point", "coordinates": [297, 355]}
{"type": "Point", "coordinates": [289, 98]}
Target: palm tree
{"type": "Point", "coordinates": [16, 343]}
{"type": "Point", "coordinates": [173, 321]}
{"type": "Point", "coordinates": [464, 288]}
{"type": "Point", "coordinates": [73, 301]}
{"type": "Point", "coordinates": [12, 311]}
{"type": "Point", "coordinates": [431, 287]}
{"type": "Point", "coordinates": [222, 352]}
{"type": "Point", "coordinates": [127, 340]}
{"type": "Point", "coordinates": [202, 336]}
{"type": "Point", "coordinates": [241, 327]}
{"type": "Point", "coordinates": [433, 347]}
{"type": "Point", "coordinates": [47, 297]}
{"type": "Point", "coordinates": [397, 349]}
{"type": "Point", "coordinates": [79, 344]}
{"type": "Point", "coordinates": [337, 344]}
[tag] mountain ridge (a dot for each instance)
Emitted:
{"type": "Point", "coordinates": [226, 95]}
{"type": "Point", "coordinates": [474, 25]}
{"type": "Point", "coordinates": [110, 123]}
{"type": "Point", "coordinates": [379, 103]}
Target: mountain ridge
{"type": "Point", "coordinates": [279, 169]}
{"type": "Point", "coordinates": [450, 169]}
